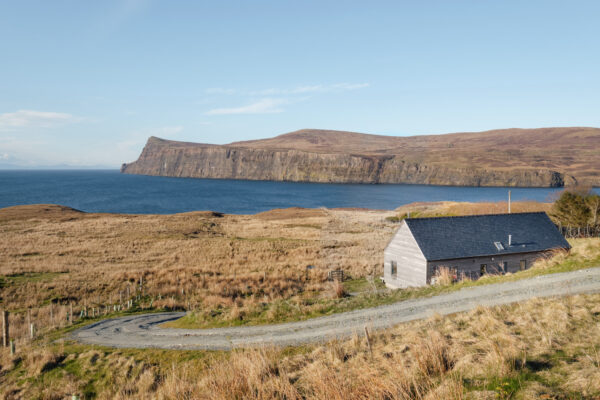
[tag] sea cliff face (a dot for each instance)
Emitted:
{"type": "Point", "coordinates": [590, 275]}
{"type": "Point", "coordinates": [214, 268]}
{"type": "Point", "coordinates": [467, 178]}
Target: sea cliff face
{"type": "Point", "coordinates": [176, 159]}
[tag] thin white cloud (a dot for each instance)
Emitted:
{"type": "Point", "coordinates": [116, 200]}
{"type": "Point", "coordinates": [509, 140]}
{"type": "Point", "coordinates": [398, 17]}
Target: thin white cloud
{"type": "Point", "coordinates": [337, 87]}
{"type": "Point", "coordinates": [263, 106]}
{"type": "Point", "coordinates": [32, 118]}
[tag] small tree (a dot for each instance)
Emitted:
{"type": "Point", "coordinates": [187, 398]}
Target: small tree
{"type": "Point", "coordinates": [593, 203]}
{"type": "Point", "coordinates": [571, 208]}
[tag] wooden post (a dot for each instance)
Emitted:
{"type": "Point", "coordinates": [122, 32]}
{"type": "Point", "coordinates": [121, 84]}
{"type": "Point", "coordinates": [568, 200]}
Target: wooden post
{"type": "Point", "coordinates": [12, 347]}
{"type": "Point", "coordinates": [368, 340]}
{"type": "Point", "coordinates": [29, 316]}
{"type": "Point", "coordinates": [31, 331]}
{"type": "Point", "coordinates": [71, 313]}
{"type": "Point", "coordinates": [509, 201]}
{"type": "Point", "coordinates": [5, 337]}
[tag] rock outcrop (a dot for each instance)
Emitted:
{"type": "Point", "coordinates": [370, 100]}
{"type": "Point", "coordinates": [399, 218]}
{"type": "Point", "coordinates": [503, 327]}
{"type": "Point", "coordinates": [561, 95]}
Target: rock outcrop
{"type": "Point", "coordinates": [236, 161]}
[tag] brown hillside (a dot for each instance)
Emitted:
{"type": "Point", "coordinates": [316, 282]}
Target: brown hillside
{"type": "Point", "coordinates": [508, 157]}
{"type": "Point", "coordinates": [574, 150]}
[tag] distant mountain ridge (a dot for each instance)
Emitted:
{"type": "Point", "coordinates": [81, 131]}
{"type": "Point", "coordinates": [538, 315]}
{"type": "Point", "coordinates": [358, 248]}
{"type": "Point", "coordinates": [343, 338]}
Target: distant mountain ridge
{"type": "Point", "coordinates": [545, 157]}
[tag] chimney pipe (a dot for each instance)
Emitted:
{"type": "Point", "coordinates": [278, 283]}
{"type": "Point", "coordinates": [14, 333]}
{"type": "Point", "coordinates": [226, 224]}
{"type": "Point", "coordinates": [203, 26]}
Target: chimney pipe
{"type": "Point", "coordinates": [509, 240]}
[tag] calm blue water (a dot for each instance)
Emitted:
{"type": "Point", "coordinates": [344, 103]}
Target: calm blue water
{"type": "Point", "coordinates": [110, 191]}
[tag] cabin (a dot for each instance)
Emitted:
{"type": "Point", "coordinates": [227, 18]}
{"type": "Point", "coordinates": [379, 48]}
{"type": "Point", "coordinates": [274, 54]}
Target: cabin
{"type": "Point", "coordinates": [470, 246]}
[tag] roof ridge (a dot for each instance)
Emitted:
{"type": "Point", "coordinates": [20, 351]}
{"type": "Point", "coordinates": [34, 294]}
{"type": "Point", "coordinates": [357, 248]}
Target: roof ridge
{"type": "Point", "coordinates": [477, 215]}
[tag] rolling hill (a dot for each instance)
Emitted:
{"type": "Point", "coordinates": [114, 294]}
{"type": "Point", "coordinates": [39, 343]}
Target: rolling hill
{"type": "Point", "coordinates": [545, 157]}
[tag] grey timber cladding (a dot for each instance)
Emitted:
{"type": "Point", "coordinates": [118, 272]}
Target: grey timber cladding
{"type": "Point", "coordinates": [474, 236]}
{"type": "Point", "coordinates": [405, 251]}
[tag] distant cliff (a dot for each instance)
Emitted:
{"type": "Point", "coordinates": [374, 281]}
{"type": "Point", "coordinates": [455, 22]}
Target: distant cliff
{"type": "Point", "coordinates": [345, 157]}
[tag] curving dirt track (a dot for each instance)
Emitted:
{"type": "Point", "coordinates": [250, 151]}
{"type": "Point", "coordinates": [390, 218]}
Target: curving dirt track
{"type": "Point", "coordinates": [142, 331]}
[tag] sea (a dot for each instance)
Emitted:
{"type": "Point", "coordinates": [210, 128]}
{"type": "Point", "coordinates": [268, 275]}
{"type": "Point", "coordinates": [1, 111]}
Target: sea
{"type": "Point", "coordinates": [109, 191]}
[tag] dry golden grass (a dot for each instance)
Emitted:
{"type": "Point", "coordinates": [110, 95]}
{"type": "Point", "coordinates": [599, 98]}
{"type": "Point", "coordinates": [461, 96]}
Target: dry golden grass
{"type": "Point", "coordinates": [202, 261]}
{"type": "Point", "coordinates": [49, 259]}
{"type": "Point", "coordinates": [444, 276]}
{"type": "Point", "coordinates": [220, 266]}
{"type": "Point", "coordinates": [452, 208]}
{"type": "Point", "coordinates": [542, 347]}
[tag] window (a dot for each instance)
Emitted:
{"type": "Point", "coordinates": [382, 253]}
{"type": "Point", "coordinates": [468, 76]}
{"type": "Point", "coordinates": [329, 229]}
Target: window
{"type": "Point", "coordinates": [482, 269]}
{"type": "Point", "coordinates": [499, 246]}
{"type": "Point", "coordinates": [394, 269]}
{"type": "Point", "coordinates": [523, 265]}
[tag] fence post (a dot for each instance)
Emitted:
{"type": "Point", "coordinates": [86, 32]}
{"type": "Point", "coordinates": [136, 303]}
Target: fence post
{"type": "Point", "coordinates": [368, 340]}
{"type": "Point", "coordinates": [5, 337]}
{"type": "Point", "coordinates": [12, 347]}
{"type": "Point", "coordinates": [71, 313]}
{"type": "Point", "coordinates": [32, 330]}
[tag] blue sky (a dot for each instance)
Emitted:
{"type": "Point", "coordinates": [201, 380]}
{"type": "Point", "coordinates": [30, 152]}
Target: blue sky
{"type": "Point", "coordinates": [84, 83]}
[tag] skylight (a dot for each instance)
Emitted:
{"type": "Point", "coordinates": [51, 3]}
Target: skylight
{"type": "Point", "coordinates": [499, 246]}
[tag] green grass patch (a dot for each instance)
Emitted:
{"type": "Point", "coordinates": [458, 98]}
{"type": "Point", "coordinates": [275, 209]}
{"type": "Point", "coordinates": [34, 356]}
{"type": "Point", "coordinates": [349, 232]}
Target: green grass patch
{"type": "Point", "coordinates": [310, 226]}
{"type": "Point", "coordinates": [363, 285]}
{"type": "Point", "coordinates": [28, 277]}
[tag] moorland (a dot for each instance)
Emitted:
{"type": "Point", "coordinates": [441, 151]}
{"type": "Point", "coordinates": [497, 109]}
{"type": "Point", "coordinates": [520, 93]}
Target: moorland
{"type": "Point", "coordinates": [252, 269]}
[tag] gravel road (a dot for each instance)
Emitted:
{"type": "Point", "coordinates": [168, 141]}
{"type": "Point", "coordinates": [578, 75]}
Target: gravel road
{"type": "Point", "coordinates": [142, 331]}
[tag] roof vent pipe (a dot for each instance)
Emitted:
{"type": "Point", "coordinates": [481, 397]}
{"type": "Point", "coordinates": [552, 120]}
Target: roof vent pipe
{"type": "Point", "coordinates": [509, 240]}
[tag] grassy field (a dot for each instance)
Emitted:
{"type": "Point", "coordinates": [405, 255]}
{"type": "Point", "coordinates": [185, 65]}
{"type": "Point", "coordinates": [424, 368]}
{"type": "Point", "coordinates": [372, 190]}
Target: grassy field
{"type": "Point", "coordinates": [584, 254]}
{"type": "Point", "coordinates": [232, 270]}
{"type": "Point", "coordinates": [227, 269]}
{"type": "Point", "coordinates": [543, 348]}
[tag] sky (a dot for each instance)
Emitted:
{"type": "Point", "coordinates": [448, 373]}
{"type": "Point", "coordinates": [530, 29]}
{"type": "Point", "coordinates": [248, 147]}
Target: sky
{"type": "Point", "coordinates": [85, 83]}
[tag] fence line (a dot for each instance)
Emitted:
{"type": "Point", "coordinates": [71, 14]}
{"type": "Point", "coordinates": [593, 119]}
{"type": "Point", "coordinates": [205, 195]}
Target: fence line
{"type": "Point", "coordinates": [588, 231]}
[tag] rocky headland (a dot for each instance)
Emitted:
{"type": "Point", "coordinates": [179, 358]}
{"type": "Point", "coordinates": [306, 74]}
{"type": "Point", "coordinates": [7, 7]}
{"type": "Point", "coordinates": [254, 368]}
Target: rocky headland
{"type": "Point", "coordinates": [548, 157]}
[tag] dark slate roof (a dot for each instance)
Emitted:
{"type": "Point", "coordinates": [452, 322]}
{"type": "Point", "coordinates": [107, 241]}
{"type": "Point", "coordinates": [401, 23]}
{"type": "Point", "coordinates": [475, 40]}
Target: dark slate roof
{"type": "Point", "coordinates": [470, 236]}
